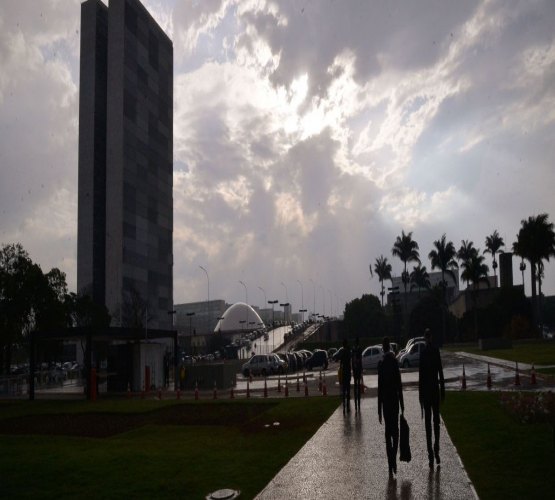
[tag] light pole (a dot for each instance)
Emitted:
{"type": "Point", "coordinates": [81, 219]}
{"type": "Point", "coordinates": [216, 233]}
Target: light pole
{"type": "Point", "coordinates": [286, 294]}
{"type": "Point", "coordinates": [273, 302]}
{"type": "Point", "coordinates": [323, 300]}
{"type": "Point", "coordinates": [284, 305]}
{"type": "Point", "coordinates": [264, 292]}
{"type": "Point", "coordinates": [314, 297]}
{"type": "Point", "coordinates": [331, 305]}
{"type": "Point", "coordinates": [301, 310]}
{"type": "Point", "coordinates": [190, 315]}
{"type": "Point", "coordinates": [246, 299]}
{"type": "Point", "coordinates": [208, 300]}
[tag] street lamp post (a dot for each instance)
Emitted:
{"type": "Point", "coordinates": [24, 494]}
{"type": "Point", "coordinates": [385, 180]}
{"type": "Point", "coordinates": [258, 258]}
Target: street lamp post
{"type": "Point", "coordinates": [301, 310]}
{"type": "Point", "coordinates": [208, 299]}
{"type": "Point", "coordinates": [273, 302]}
{"type": "Point", "coordinates": [190, 315]}
{"type": "Point", "coordinates": [246, 300]}
{"type": "Point", "coordinates": [286, 294]}
{"type": "Point", "coordinates": [314, 297]}
{"type": "Point", "coordinates": [264, 292]}
{"type": "Point", "coordinates": [284, 305]}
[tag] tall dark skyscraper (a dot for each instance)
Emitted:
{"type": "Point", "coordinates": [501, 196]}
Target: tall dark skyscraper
{"type": "Point", "coordinates": [125, 208]}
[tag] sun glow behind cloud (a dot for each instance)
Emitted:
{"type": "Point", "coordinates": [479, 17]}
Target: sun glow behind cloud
{"type": "Point", "coordinates": [305, 137]}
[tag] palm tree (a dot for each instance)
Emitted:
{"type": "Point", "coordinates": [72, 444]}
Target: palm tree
{"type": "Point", "coordinates": [383, 269]}
{"type": "Point", "coordinates": [419, 278]}
{"type": "Point", "coordinates": [475, 272]}
{"type": "Point", "coordinates": [536, 243]}
{"type": "Point", "coordinates": [522, 267]}
{"type": "Point", "coordinates": [494, 242]}
{"type": "Point", "coordinates": [407, 250]}
{"type": "Point", "coordinates": [443, 258]}
{"type": "Point", "coordinates": [465, 252]}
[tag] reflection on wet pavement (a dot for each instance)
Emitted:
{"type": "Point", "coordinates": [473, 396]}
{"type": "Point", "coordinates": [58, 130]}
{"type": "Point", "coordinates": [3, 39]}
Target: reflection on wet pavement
{"type": "Point", "coordinates": [346, 459]}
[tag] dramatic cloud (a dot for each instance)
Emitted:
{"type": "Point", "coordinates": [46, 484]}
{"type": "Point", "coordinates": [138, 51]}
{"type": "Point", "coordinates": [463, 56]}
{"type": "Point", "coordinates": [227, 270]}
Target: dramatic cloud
{"type": "Point", "coordinates": [307, 135]}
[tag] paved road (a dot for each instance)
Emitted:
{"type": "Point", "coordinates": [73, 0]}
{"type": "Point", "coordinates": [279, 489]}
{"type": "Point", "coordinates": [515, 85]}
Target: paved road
{"type": "Point", "coordinates": [346, 459]}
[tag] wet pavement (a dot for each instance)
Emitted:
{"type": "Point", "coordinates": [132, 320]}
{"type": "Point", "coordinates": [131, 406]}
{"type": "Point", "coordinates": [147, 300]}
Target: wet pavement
{"type": "Point", "coordinates": [346, 459]}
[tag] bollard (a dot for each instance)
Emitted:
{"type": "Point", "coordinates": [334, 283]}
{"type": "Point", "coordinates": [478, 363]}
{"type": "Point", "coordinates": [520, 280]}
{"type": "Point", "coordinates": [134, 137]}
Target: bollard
{"type": "Point", "coordinates": [265, 388]}
{"type": "Point", "coordinates": [143, 391]}
{"type": "Point", "coordinates": [196, 390]}
{"type": "Point", "coordinates": [159, 394]}
{"type": "Point", "coordinates": [533, 380]}
{"type": "Point", "coordinates": [215, 391]}
{"type": "Point", "coordinates": [279, 383]}
{"type": "Point", "coordinates": [128, 390]}
{"type": "Point", "coordinates": [178, 393]}
{"type": "Point", "coordinates": [324, 388]}
{"type": "Point", "coordinates": [463, 387]}
{"type": "Point", "coordinates": [298, 386]}
{"type": "Point", "coordinates": [231, 393]}
{"type": "Point", "coordinates": [304, 376]}
{"type": "Point", "coordinates": [305, 389]}
{"type": "Point", "coordinates": [248, 390]}
{"type": "Point", "coordinates": [320, 382]}
{"type": "Point", "coordinates": [286, 387]}
{"type": "Point", "coordinates": [488, 380]}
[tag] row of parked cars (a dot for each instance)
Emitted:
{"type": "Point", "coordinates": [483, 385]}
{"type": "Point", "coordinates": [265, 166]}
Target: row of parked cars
{"type": "Point", "coordinates": [288, 362]}
{"type": "Point", "coordinates": [269, 364]}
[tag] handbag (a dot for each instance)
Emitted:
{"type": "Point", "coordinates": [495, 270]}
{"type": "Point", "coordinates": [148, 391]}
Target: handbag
{"type": "Point", "coordinates": [404, 445]}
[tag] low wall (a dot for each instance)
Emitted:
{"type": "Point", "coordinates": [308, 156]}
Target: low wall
{"type": "Point", "coordinates": [223, 373]}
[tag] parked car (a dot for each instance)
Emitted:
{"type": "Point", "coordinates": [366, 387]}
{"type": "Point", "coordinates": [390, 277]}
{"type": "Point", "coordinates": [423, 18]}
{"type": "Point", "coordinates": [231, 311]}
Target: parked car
{"type": "Point", "coordinates": [263, 364]}
{"type": "Point", "coordinates": [410, 342]}
{"type": "Point", "coordinates": [56, 375]}
{"type": "Point", "coordinates": [318, 359]}
{"type": "Point", "coordinates": [371, 356]}
{"type": "Point", "coordinates": [337, 355]}
{"type": "Point", "coordinates": [412, 356]}
{"type": "Point", "coordinates": [547, 333]}
{"type": "Point", "coordinates": [291, 362]}
{"type": "Point", "coordinates": [283, 357]}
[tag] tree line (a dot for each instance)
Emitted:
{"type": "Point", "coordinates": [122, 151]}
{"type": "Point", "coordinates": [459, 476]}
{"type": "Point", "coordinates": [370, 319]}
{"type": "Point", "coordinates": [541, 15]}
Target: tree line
{"type": "Point", "coordinates": [534, 243]}
{"type": "Point", "coordinates": [31, 299]}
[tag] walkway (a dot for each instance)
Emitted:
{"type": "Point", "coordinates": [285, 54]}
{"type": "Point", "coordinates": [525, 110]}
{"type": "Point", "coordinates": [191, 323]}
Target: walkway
{"type": "Point", "coordinates": [346, 459]}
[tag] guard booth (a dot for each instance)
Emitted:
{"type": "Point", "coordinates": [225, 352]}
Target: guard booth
{"type": "Point", "coordinates": [117, 358]}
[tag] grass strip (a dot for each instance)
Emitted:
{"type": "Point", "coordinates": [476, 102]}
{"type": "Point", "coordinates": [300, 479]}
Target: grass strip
{"type": "Point", "coordinates": [541, 352]}
{"type": "Point", "coordinates": [503, 457]}
{"type": "Point", "coordinates": [243, 451]}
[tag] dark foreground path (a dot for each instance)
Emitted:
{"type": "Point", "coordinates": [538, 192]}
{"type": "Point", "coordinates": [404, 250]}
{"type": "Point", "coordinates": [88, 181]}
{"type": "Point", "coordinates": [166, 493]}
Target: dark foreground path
{"type": "Point", "coordinates": [346, 459]}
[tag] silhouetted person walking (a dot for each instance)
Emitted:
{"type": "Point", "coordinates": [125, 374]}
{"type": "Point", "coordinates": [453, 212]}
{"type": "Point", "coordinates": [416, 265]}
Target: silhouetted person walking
{"type": "Point", "coordinates": [356, 364]}
{"type": "Point", "coordinates": [431, 387]}
{"type": "Point", "coordinates": [345, 365]}
{"type": "Point", "coordinates": [390, 398]}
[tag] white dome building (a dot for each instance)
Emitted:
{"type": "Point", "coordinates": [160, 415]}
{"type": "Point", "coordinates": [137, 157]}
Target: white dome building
{"type": "Point", "coordinates": [238, 318]}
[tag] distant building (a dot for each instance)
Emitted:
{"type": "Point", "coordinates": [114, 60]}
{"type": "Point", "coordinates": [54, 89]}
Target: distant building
{"type": "Point", "coordinates": [413, 295]}
{"type": "Point", "coordinates": [125, 205]}
{"type": "Point", "coordinates": [202, 317]}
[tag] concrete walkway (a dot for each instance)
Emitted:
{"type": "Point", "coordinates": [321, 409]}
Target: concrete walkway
{"type": "Point", "coordinates": [346, 459]}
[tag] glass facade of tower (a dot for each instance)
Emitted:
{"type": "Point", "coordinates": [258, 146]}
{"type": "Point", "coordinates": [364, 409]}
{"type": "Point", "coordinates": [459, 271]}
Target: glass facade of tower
{"type": "Point", "coordinates": [138, 226]}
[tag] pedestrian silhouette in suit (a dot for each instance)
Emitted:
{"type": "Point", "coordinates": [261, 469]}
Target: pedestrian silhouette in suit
{"type": "Point", "coordinates": [345, 365]}
{"type": "Point", "coordinates": [431, 388]}
{"type": "Point", "coordinates": [357, 374]}
{"type": "Point", "coordinates": [390, 398]}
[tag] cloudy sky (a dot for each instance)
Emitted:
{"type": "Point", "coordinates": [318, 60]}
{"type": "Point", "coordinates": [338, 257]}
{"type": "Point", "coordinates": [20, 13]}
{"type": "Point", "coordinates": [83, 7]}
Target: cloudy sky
{"type": "Point", "coordinates": [307, 135]}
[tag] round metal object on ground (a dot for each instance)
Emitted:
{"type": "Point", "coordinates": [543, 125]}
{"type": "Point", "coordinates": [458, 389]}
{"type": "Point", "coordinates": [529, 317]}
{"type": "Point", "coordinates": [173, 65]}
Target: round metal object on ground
{"type": "Point", "coordinates": [225, 494]}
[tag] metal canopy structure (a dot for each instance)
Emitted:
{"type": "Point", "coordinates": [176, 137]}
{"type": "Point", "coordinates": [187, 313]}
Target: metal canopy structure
{"type": "Point", "coordinates": [90, 335]}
